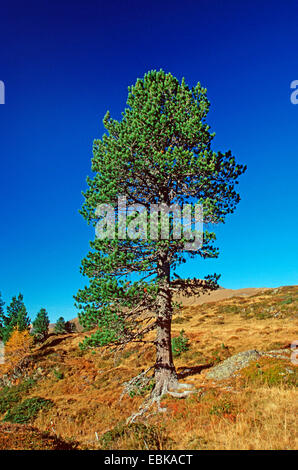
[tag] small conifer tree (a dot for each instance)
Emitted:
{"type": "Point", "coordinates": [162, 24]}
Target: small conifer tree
{"type": "Point", "coordinates": [16, 317]}
{"type": "Point", "coordinates": [2, 318]}
{"type": "Point", "coordinates": [60, 326]}
{"type": "Point", "coordinates": [41, 325]}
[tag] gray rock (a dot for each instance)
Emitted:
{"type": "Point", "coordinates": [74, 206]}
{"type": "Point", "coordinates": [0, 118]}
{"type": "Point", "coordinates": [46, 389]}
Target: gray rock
{"type": "Point", "coordinates": [227, 368]}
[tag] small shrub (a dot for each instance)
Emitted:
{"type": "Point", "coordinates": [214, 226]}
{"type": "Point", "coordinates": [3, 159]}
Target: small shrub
{"type": "Point", "coordinates": [272, 372]}
{"type": "Point", "coordinates": [230, 309]}
{"type": "Point", "coordinates": [220, 354]}
{"type": "Point", "coordinates": [197, 443]}
{"type": "Point", "coordinates": [287, 301]}
{"type": "Point", "coordinates": [59, 375]}
{"type": "Point", "coordinates": [180, 344]}
{"type": "Point", "coordinates": [135, 436]}
{"type": "Point", "coordinates": [274, 345]}
{"type": "Point", "coordinates": [221, 408]}
{"type": "Point", "coordinates": [141, 389]}
{"type": "Point", "coordinates": [9, 396]}
{"type": "Point", "coordinates": [27, 410]}
{"type": "Point", "coordinates": [127, 354]}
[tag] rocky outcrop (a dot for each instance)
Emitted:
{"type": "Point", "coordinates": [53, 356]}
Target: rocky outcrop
{"type": "Point", "coordinates": [227, 368]}
{"type": "Point", "coordinates": [230, 366]}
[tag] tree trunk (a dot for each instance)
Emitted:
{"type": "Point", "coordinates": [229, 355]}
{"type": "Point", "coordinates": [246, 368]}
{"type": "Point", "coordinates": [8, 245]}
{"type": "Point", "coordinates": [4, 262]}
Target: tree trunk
{"type": "Point", "coordinates": [166, 380]}
{"type": "Point", "coordinates": [165, 372]}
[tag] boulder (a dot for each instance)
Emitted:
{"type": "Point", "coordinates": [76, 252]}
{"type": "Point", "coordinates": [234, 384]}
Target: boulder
{"type": "Point", "coordinates": [228, 367]}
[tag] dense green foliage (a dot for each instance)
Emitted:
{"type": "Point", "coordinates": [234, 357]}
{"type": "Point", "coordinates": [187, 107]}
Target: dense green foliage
{"type": "Point", "coordinates": [27, 410]}
{"type": "Point", "coordinates": [60, 326]}
{"type": "Point", "coordinates": [41, 325]}
{"type": "Point", "coordinates": [2, 317]}
{"type": "Point", "coordinates": [9, 396]}
{"type": "Point", "coordinates": [16, 317]}
{"type": "Point", "coordinates": [180, 344]}
{"type": "Point", "coordinates": [158, 153]}
{"type": "Point", "coordinates": [58, 374]}
{"type": "Point", "coordinates": [144, 436]}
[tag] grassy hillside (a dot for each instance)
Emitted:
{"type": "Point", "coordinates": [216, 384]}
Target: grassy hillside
{"type": "Point", "coordinates": [72, 397]}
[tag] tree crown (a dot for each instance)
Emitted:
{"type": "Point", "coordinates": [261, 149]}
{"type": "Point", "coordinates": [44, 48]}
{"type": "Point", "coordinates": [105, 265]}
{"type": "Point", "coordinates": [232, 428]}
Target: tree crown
{"type": "Point", "coordinates": [158, 153]}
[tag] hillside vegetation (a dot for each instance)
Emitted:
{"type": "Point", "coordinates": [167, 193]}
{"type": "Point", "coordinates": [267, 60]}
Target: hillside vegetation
{"type": "Point", "coordinates": [63, 397]}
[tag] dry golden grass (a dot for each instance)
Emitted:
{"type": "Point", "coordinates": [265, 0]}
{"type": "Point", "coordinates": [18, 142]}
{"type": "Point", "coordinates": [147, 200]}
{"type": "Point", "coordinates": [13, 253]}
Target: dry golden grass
{"type": "Point", "coordinates": [251, 411]}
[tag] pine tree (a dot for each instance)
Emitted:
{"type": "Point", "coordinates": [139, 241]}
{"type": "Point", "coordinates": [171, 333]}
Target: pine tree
{"type": "Point", "coordinates": [17, 317]}
{"type": "Point", "coordinates": [60, 326]}
{"type": "Point", "coordinates": [23, 322]}
{"type": "Point", "coordinates": [70, 327]}
{"type": "Point", "coordinates": [41, 325]}
{"type": "Point", "coordinates": [158, 153]}
{"type": "Point", "coordinates": [2, 317]}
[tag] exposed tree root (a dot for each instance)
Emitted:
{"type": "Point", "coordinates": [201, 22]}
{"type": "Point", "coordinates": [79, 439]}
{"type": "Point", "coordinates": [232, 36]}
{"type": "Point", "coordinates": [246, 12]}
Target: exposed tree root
{"type": "Point", "coordinates": [138, 382]}
{"type": "Point", "coordinates": [169, 386]}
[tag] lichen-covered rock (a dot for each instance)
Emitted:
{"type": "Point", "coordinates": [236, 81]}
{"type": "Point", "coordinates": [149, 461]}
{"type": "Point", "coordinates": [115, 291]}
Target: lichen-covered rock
{"type": "Point", "coordinates": [227, 368]}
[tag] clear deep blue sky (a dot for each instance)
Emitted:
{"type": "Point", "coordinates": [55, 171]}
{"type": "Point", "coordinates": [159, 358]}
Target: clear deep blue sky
{"type": "Point", "coordinates": [64, 63]}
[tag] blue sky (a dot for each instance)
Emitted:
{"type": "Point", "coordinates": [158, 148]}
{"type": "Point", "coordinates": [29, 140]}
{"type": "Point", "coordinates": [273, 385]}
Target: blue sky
{"type": "Point", "coordinates": [64, 63]}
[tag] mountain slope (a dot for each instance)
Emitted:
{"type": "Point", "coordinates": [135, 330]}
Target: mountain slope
{"type": "Point", "coordinates": [255, 409]}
